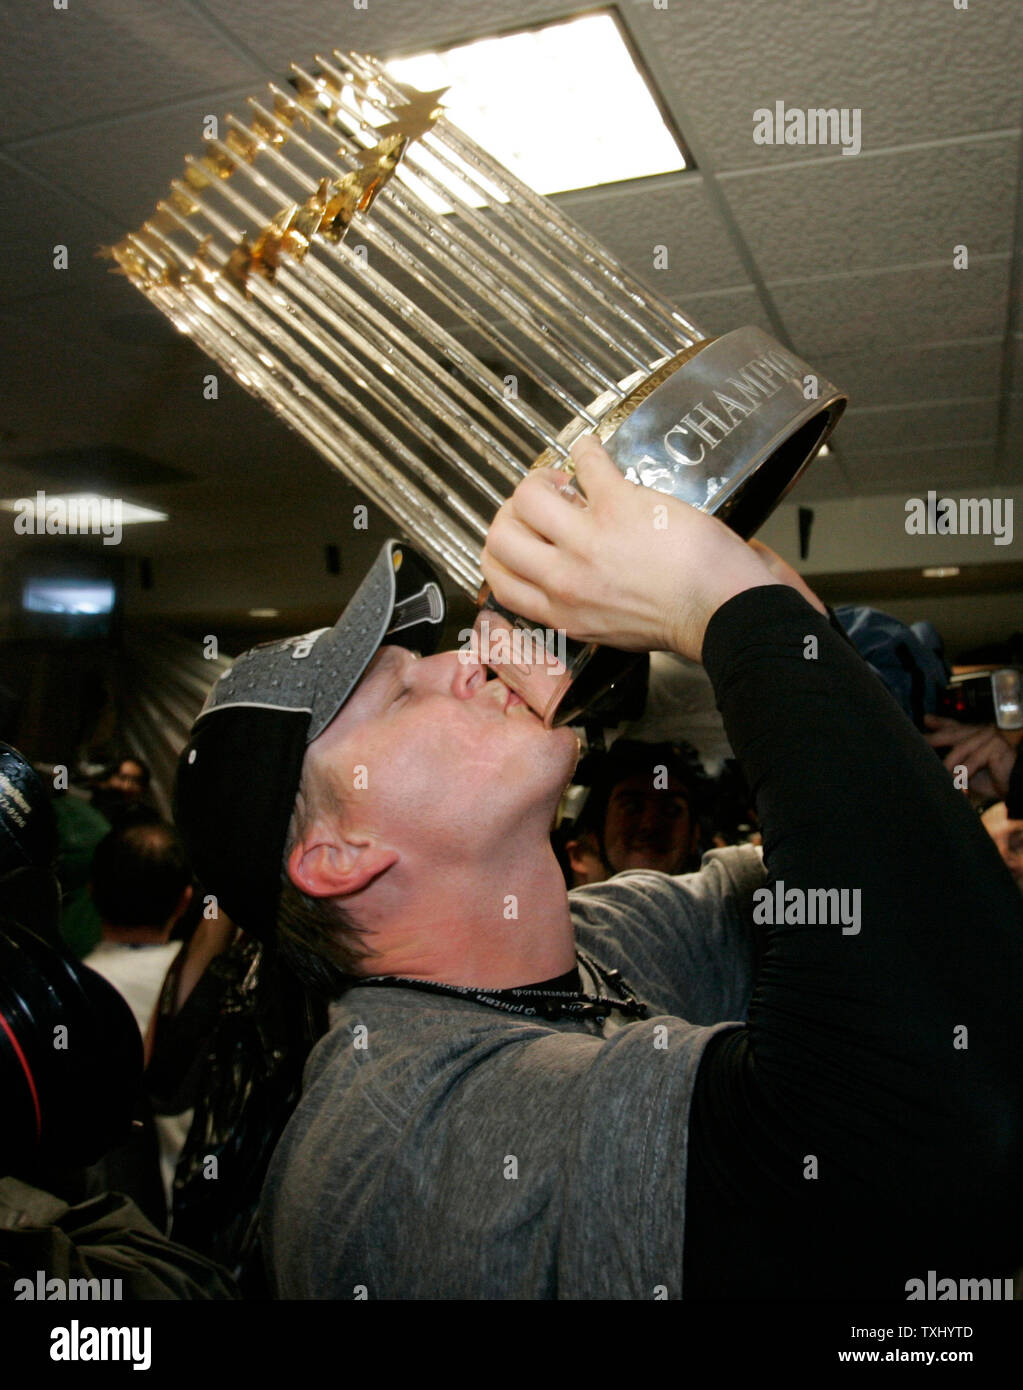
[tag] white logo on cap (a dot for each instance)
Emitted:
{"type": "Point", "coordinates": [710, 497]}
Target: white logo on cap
{"type": "Point", "coordinates": [302, 646]}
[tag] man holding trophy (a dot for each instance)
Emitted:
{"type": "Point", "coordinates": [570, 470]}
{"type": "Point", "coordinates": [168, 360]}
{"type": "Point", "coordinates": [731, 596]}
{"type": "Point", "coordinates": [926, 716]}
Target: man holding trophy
{"type": "Point", "coordinates": [783, 1076]}
{"type": "Point", "coordinates": [715, 1085]}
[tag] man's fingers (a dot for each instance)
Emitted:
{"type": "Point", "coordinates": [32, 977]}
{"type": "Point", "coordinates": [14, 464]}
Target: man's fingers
{"type": "Point", "coordinates": [513, 592]}
{"type": "Point", "coordinates": [957, 753]}
{"type": "Point", "coordinates": [519, 549]}
{"type": "Point", "coordinates": [528, 541]}
{"type": "Point", "coordinates": [940, 724]}
{"type": "Point", "coordinates": [972, 764]}
{"type": "Point", "coordinates": [972, 753]}
{"type": "Point", "coordinates": [946, 731]}
{"type": "Point", "coordinates": [981, 784]}
{"type": "Point", "coordinates": [977, 742]}
{"type": "Point", "coordinates": [540, 503]}
{"type": "Point", "coordinates": [937, 722]}
{"type": "Point", "coordinates": [597, 473]}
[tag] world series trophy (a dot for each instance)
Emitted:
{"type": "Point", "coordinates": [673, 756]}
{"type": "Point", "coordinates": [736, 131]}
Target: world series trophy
{"type": "Point", "coordinates": [435, 329]}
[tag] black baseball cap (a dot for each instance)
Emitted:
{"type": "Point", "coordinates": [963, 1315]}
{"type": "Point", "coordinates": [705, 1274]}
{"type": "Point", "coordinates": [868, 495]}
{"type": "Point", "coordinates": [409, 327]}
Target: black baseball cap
{"type": "Point", "coordinates": [239, 773]}
{"type": "Point", "coordinates": [602, 771]}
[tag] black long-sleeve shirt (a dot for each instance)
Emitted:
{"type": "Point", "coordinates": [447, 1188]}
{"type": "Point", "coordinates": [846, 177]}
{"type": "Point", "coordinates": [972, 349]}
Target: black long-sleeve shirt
{"type": "Point", "coordinates": [1014, 796]}
{"type": "Point", "coordinates": [866, 1126]}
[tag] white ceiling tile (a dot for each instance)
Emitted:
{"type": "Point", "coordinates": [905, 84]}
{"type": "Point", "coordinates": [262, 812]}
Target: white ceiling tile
{"type": "Point", "coordinates": [292, 31]}
{"type": "Point", "coordinates": [955, 466]}
{"type": "Point", "coordinates": [915, 74]}
{"type": "Point", "coordinates": [235, 438]}
{"type": "Point", "coordinates": [14, 482]}
{"type": "Point", "coordinates": [241, 451]}
{"type": "Point", "coordinates": [34, 221]}
{"type": "Point", "coordinates": [666, 230]}
{"type": "Point", "coordinates": [900, 377]}
{"type": "Point", "coordinates": [110, 325]}
{"type": "Point", "coordinates": [1013, 459]}
{"type": "Point", "coordinates": [128, 167]}
{"type": "Point", "coordinates": [724, 310]}
{"type": "Point", "coordinates": [1014, 348]}
{"type": "Point", "coordinates": [99, 59]}
{"type": "Point", "coordinates": [906, 207]}
{"type": "Point", "coordinates": [898, 308]}
{"type": "Point", "coordinates": [870, 431]}
{"type": "Point", "coordinates": [47, 402]}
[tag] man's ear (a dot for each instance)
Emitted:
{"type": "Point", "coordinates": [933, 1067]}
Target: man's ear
{"type": "Point", "coordinates": [575, 849]}
{"type": "Point", "coordinates": [330, 864]}
{"type": "Point", "coordinates": [580, 849]}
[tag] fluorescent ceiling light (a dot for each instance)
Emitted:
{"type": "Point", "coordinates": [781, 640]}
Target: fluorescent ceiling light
{"type": "Point", "coordinates": [264, 612]}
{"type": "Point", "coordinates": [80, 505]}
{"type": "Point", "coordinates": [563, 106]}
{"type": "Point", "coordinates": [941, 572]}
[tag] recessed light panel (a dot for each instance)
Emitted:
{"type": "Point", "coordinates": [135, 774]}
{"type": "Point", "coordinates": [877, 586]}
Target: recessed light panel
{"type": "Point", "coordinates": [563, 107]}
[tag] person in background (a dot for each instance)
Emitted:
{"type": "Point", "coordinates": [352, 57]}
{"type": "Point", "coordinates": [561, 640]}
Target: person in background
{"type": "Point", "coordinates": [82, 823]}
{"type": "Point", "coordinates": [59, 1220]}
{"type": "Point", "coordinates": [641, 813]}
{"type": "Point", "coordinates": [121, 791]}
{"type": "Point", "coordinates": [141, 886]}
{"type": "Point", "coordinates": [990, 757]}
{"type": "Point", "coordinates": [181, 1034]}
{"type": "Point", "coordinates": [80, 829]}
{"type": "Point", "coordinates": [1007, 834]}
{"type": "Point", "coordinates": [578, 852]}
{"type": "Point", "coordinates": [733, 816]}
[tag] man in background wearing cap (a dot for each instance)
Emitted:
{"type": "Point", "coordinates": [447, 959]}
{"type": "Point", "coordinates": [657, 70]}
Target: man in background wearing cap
{"type": "Point", "coordinates": [641, 812]}
{"type": "Point", "coordinates": [526, 1094]}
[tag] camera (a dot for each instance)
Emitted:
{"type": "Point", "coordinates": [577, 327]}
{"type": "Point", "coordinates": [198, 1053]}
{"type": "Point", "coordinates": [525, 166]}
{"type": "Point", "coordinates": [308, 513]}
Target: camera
{"type": "Point", "coordinates": [984, 697]}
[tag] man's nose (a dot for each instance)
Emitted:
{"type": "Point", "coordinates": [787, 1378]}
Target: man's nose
{"type": "Point", "coordinates": [456, 672]}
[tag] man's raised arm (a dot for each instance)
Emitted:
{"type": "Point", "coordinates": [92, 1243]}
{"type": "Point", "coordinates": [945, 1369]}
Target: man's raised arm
{"type": "Point", "coordinates": [866, 1126]}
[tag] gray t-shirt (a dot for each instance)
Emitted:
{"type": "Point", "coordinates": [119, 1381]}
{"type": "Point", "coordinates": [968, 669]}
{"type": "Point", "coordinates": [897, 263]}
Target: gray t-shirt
{"type": "Point", "coordinates": [445, 1149]}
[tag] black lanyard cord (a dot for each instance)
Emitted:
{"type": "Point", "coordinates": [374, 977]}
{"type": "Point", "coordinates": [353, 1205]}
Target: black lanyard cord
{"type": "Point", "coordinates": [529, 1002]}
